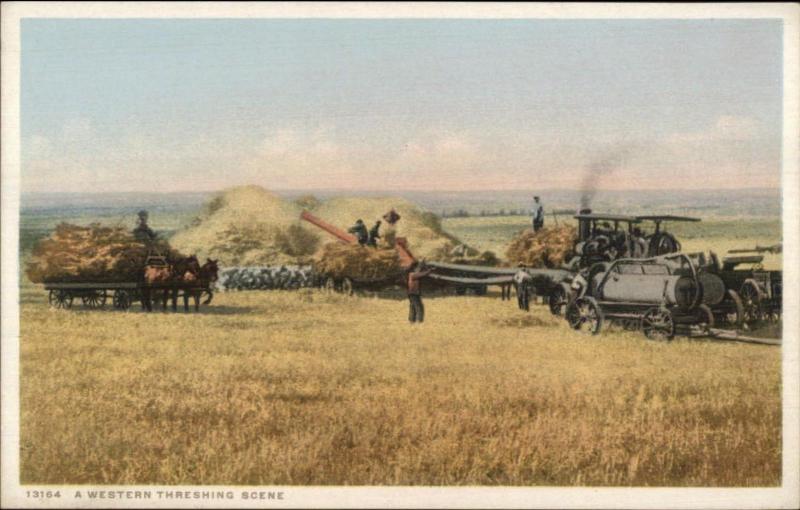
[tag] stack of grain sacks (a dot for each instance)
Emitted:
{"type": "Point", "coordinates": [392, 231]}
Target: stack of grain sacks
{"type": "Point", "coordinates": [266, 278]}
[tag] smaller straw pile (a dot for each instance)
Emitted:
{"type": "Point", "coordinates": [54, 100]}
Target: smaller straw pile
{"type": "Point", "coordinates": [361, 263]}
{"type": "Point", "coordinates": [550, 247]}
{"type": "Point", "coordinates": [465, 255]}
{"type": "Point", "coordinates": [92, 253]}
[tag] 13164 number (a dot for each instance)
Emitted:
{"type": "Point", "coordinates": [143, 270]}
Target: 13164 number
{"type": "Point", "coordinates": [43, 494]}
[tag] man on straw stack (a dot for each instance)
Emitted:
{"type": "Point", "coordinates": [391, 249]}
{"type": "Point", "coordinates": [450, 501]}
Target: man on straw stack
{"type": "Point", "coordinates": [374, 234]}
{"type": "Point", "coordinates": [360, 231]}
{"type": "Point", "coordinates": [416, 310]}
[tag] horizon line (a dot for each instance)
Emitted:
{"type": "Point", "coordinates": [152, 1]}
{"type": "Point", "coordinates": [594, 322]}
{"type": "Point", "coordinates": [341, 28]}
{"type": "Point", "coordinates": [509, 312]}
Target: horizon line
{"type": "Point", "coordinates": [311, 190]}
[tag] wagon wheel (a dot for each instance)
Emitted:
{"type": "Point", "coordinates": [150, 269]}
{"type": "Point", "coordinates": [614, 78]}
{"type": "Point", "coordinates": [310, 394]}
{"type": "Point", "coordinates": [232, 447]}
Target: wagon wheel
{"type": "Point", "coordinates": [94, 299]}
{"type": "Point", "coordinates": [558, 300]}
{"type": "Point", "coordinates": [330, 285]}
{"type": "Point", "coordinates": [657, 324]}
{"type": "Point", "coordinates": [347, 287]}
{"type": "Point", "coordinates": [736, 315]}
{"type": "Point", "coordinates": [60, 298]}
{"type": "Point", "coordinates": [584, 315]}
{"type": "Point", "coordinates": [122, 299]}
{"type": "Point", "coordinates": [752, 302]}
{"type": "Point", "coordinates": [704, 317]}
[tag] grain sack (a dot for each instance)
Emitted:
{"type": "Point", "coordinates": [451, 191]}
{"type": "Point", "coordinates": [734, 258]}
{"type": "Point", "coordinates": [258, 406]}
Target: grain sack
{"type": "Point", "coordinates": [91, 253]}
{"type": "Point", "coordinates": [549, 247]}
{"type": "Point", "coordinates": [361, 263]}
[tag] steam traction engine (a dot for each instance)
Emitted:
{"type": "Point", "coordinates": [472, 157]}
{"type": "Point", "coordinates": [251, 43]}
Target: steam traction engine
{"type": "Point", "coordinates": [655, 295]}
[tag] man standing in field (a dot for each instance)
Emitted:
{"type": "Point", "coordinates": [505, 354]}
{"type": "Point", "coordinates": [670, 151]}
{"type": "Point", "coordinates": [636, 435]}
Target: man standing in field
{"type": "Point", "coordinates": [522, 282]}
{"type": "Point", "coordinates": [416, 310]}
{"type": "Point", "coordinates": [538, 214]}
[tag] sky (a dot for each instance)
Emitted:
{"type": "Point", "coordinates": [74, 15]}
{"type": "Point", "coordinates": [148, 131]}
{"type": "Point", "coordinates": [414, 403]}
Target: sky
{"type": "Point", "coordinates": [370, 104]}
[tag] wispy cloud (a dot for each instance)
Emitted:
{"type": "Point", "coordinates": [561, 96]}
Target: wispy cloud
{"type": "Point", "coordinates": [726, 128]}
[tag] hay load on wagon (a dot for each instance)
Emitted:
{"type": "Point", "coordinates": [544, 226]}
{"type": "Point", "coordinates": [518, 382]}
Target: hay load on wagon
{"type": "Point", "coordinates": [92, 253]}
{"type": "Point", "coordinates": [357, 263]}
{"type": "Point", "coordinates": [550, 247]}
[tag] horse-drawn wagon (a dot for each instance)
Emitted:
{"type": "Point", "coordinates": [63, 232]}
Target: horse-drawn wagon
{"type": "Point", "coordinates": [123, 295]}
{"type": "Point", "coordinates": [184, 278]}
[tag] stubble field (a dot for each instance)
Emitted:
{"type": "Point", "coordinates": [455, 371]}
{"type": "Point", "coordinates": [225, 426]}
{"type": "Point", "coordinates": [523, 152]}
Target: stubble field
{"type": "Point", "coordinates": [310, 388]}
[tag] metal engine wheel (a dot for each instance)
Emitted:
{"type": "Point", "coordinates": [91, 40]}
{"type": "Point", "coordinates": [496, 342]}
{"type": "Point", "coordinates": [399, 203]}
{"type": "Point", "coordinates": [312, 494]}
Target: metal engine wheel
{"type": "Point", "coordinates": [735, 316]}
{"type": "Point", "coordinates": [558, 300]}
{"type": "Point", "coordinates": [584, 315]}
{"type": "Point", "coordinates": [662, 244]}
{"type": "Point", "coordinates": [94, 299]}
{"type": "Point", "coordinates": [121, 299]}
{"type": "Point", "coordinates": [657, 324]}
{"type": "Point", "coordinates": [752, 302]}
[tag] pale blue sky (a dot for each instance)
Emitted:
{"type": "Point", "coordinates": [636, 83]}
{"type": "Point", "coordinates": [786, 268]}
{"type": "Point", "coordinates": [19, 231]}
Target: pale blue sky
{"type": "Point", "coordinates": [373, 104]}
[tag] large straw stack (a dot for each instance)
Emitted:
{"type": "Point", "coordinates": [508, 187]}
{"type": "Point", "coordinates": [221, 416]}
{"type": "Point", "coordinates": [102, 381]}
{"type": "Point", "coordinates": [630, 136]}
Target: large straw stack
{"type": "Point", "coordinates": [250, 226]}
{"type": "Point", "coordinates": [92, 253]}
{"type": "Point", "coordinates": [361, 263]}
{"type": "Point", "coordinates": [549, 247]}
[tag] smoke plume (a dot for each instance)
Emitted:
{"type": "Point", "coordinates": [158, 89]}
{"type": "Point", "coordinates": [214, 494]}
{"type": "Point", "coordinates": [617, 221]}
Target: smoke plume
{"type": "Point", "coordinates": [601, 167]}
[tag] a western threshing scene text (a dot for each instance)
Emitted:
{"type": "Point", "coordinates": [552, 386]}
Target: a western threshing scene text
{"type": "Point", "coordinates": [401, 252]}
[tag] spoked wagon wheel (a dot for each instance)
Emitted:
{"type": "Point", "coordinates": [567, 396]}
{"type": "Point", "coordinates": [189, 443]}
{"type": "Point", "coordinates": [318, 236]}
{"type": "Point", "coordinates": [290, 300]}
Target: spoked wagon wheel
{"type": "Point", "coordinates": [657, 324]}
{"type": "Point", "coordinates": [558, 299]}
{"type": "Point", "coordinates": [752, 302]}
{"type": "Point", "coordinates": [60, 298]}
{"type": "Point", "coordinates": [122, 299]}
{"type": "Point", "coordinates": [735, 316]}
{"type": "Point", "coordinates": [94, 299]}
{"type": "Point", "coordinates": [347, 287]}
{"type": "Point", "coordinates": [584, 315]}
{"type": "Point", "coordinates": [330, 285]}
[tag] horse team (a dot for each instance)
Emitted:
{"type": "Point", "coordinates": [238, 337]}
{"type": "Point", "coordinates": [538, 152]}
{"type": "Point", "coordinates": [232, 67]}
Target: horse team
{"type": "Point", "coordinates": [185, 275]}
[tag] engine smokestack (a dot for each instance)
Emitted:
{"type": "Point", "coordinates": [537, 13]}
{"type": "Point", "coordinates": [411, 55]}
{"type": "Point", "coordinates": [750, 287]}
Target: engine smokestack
{"type": "Point", "coordinates": [584, 226]}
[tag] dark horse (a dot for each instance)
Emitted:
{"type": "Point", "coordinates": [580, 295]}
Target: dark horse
{"type": "Point", "coordinates": [207, 273]}
{"type": "Point", "coordinates": [186, 269]}
{"type": "Point", "coordinates": [154, 275]}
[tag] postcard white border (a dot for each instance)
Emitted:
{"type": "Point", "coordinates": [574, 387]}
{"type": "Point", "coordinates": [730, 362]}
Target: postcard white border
{"type": "Point", "coordinates": [786, 496]}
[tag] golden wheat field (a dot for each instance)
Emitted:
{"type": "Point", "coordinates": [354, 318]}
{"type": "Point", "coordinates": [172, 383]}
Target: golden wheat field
{"type": "Point", "coordinates": [312, 388]}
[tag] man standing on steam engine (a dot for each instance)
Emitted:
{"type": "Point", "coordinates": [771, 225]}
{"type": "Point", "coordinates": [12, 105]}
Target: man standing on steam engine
{"type": "Point", "coordinates": [538, 214]}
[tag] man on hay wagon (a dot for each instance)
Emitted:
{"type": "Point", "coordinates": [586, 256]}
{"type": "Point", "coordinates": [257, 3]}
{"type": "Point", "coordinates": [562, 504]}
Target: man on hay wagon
{"type": "Point", "coordinates": [143, 232]}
